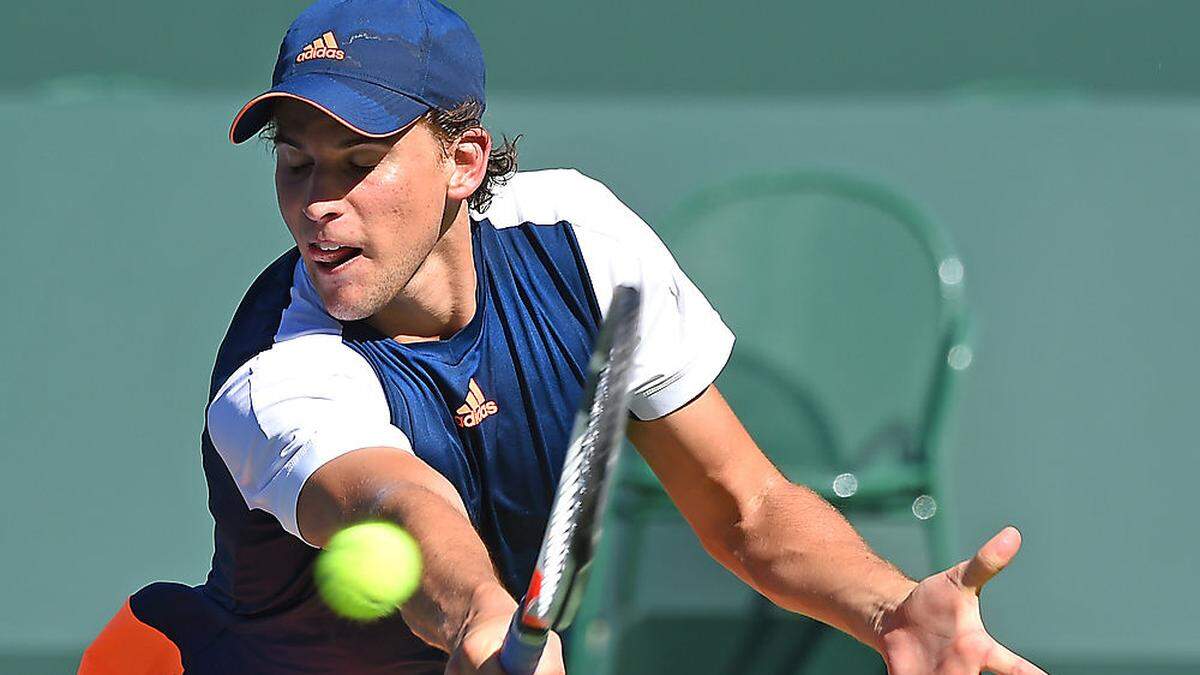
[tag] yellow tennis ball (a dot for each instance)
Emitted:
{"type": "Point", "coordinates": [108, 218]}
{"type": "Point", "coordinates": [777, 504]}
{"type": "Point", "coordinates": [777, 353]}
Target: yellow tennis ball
{"type": "Point", "coordinates": [368, 570]}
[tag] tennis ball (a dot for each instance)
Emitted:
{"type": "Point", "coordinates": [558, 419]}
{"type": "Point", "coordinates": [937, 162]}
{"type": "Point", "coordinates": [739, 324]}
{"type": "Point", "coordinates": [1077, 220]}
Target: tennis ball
{"type": "Point", "coordinates": [368, 570]}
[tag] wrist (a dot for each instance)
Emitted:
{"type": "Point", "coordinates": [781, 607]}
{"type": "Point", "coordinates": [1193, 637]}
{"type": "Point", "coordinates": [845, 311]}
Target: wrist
{"type": "Point", "coordinates": [892, 596]}
{"type": "Point", "coordinates": [488, 601]}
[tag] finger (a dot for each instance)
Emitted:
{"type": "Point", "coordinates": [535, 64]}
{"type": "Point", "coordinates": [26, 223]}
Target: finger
{"type": "Point", "coordinates": [991, 558]}
{"type": "Point", "coordinates": [1002, 661]}
{"type": "Point", "coordinates": [551, 662]}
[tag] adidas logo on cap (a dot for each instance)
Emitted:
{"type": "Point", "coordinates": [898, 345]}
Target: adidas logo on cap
{"type": "Point", "coordinates": [324, 47]}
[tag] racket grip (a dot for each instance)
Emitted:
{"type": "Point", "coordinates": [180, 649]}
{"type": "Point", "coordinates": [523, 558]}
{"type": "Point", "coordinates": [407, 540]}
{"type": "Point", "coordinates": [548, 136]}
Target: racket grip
{"type": "Point", "coordinates": [521, 651]}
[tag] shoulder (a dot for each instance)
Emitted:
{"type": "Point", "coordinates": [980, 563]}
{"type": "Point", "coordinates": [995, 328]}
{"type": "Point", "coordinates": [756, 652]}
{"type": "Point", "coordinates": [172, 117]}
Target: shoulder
{"type": "Point", "coordinates": [540, 197]}
{"type": "Point", "coordinates": [682, 342]}
{"type": "Point", "coordinates": [554, 196]}
{"type": "Point", "coordinates": [615, 242]}
{"type": "Point", "coordinates": [273, 391]}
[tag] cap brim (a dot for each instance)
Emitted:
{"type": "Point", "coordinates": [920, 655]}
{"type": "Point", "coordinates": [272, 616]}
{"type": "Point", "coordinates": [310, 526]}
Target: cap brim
{"type": "Point", "coordinates": [365, 108]}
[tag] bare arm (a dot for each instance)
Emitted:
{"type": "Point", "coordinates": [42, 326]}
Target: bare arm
{"type": "Point", "coordinates": [796, 549]}
{"type": "Point", "coordinates": [459, 586]}
{"type": "Point", "coordinates": [780, 538]}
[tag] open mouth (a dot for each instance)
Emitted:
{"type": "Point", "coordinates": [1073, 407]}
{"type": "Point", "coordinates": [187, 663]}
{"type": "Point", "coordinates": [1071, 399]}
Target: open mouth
{"type": "Point", "coordinates": [331, 257]}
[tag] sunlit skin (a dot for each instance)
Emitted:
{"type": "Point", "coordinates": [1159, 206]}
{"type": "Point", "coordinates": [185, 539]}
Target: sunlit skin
{"type": "Point", "coordinates": [396, 207]}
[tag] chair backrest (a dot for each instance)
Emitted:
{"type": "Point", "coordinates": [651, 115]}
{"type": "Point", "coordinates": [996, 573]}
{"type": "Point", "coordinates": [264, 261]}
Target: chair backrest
{"type": "Point", "coordinates": [846, 302]}
{"type": "Point", "coordinates": [845, 299]}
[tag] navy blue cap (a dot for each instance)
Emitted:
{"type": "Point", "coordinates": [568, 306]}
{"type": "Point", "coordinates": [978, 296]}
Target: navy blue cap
{"type": "Point", "coordinates": [374, 65]}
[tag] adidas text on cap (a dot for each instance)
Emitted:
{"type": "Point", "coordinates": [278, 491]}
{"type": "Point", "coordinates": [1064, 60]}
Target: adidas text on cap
{"type": "Point", "coordinates": [373, 65]}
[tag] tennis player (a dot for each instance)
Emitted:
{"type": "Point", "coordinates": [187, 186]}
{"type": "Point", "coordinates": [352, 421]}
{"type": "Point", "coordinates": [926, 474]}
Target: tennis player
{"type": "Point", "coordinates": [418, 356]}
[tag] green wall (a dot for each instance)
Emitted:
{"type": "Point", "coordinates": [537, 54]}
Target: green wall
{"type": "Point", "coordinates": [133, 228]}
{"type": "Point", "coordinates": [1144, 46]}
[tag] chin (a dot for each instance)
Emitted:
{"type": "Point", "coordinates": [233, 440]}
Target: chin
{"type": "Point", "coordinates": [347, 307]}
{"type": "Point", "coordinates": [358, 298]}
{"type": "Point", "coordinates": [349, 313]}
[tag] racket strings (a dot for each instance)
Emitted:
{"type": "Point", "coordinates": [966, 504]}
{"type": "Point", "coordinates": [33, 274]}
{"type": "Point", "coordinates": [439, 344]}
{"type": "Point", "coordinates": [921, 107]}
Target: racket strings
{"type": "Point", "coordinates": [577, 485]}
{"type": "Point", "coordinates": [573, 528]}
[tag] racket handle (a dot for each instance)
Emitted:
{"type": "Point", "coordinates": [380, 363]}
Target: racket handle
{"type": "Point", "coordinates": [521, 650]}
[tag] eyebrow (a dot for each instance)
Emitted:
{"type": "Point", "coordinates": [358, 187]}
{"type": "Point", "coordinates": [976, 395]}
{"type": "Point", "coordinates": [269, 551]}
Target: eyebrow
{"type": "Point", "coordinates": [348, 142]}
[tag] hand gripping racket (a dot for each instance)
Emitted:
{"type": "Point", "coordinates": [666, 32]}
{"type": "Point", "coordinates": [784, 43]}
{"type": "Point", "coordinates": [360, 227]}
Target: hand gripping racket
{"type": "Point", "coordinates": [574, 528]}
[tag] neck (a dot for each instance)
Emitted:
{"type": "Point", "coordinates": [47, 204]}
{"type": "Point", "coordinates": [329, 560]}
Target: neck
{"type": "Point", "coordinates": [439, 300]}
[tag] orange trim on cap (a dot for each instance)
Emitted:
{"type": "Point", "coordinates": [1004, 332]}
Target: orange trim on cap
{"type": "Point", "coordinates": [318, 106]}
{"type": "Point", "coordinates": [127, 646]}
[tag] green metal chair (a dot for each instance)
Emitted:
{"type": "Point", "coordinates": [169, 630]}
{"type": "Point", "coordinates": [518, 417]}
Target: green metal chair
{"type": "Point", "coordinates": [852, 332]}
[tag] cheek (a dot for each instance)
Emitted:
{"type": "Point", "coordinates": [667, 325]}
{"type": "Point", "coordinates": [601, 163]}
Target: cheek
{"type": "Point", "coordinates": [419, 173]}
{"type": "Point", "coordinates": [402, 207]}
{"type": "Point", "coordinates": [284, 187]}
{"type": "Point", "coordinates": [287, 197]}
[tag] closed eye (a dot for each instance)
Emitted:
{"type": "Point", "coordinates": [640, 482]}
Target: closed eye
{"type": "Point", "coordinates": [366, 160]}
{"type": "Point", "coordinates": [291, 158]}
{"type": "Point", "coordinates": [298, 168]}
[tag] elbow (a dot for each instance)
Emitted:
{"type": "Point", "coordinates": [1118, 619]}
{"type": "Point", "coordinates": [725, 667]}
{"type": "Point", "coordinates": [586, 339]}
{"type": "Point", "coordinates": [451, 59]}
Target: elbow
{"type": "Point", "coordinates": [743, 542]}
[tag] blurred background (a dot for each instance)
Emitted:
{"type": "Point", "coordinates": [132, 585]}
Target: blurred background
{"type": "Point", "coordinates": [1035, 163]}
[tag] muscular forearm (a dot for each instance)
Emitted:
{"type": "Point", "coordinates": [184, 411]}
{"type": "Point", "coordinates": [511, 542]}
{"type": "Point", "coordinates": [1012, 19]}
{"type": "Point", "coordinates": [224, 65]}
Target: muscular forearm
{"type": "Point", "coordinates": [796, 549]}
{"type": "Point", "coordinates": [780, 538]}
{"type": "Point", "coordinates": [458, 584]}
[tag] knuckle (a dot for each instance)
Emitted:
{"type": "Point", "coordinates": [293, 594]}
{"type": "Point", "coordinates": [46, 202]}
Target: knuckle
{"type": "Point", "coordinates": [984, 566]}
{"type": "Point", "coordinates": [990, 563]}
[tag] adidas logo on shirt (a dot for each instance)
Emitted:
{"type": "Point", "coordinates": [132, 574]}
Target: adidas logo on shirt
{"type": "Point", "coordinates": [476, 409]}
{"type": "Point", "coordinates": [324, 47]}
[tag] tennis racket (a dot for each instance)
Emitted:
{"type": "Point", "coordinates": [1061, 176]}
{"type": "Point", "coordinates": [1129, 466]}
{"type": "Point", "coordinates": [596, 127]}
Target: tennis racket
{"type": "Point", "coordinates": [556, 587]}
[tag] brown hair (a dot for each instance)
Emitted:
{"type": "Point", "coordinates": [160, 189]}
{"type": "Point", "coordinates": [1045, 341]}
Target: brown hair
{"type": "Point", "coordinates": [449, 126]}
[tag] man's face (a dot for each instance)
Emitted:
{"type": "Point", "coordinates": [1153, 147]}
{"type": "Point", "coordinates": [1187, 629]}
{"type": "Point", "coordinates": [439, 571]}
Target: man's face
{"type": "Point", "coordinates": [365, 212]}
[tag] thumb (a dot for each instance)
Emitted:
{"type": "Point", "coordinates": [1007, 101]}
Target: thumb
{"type": "Point", "coordinates": [991, 558]}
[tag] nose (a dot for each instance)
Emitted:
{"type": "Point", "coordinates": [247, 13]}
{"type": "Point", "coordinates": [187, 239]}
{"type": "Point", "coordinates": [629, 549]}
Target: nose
{"type": "Point", "coordinates": [320, 211]}
{"type": "Point", "coordinates": [326, 197]}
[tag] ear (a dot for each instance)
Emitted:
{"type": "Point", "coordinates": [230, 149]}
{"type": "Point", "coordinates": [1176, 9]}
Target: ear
{"type": "Point", "coordinates": [469, 157]}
